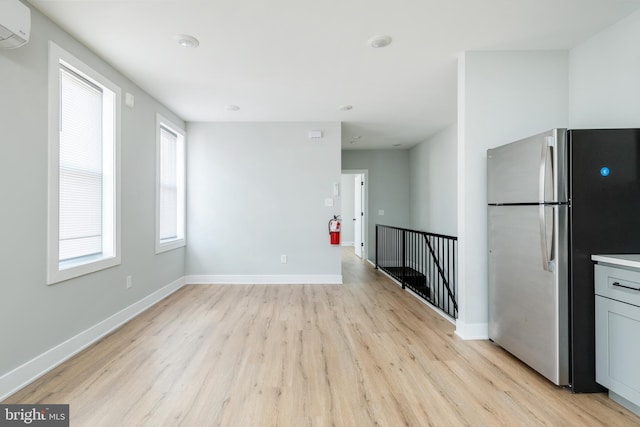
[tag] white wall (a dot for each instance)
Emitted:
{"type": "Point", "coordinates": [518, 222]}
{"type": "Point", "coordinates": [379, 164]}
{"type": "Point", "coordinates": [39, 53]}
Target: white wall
{"type": "Point", "coordinates": [433, 183]}
{"type": "Point", "coordinates": [388, 188]}
{"type": "Point", "coordinates": [604, 77]}
{"type": "Point", "coordinates": [502, 96]}
{"type": "Point", "coordinates": [347, 197]}
{"type": "Point", "coordinates": [256, 191]}
{"type": "Point", "coordinates": [36, 317]}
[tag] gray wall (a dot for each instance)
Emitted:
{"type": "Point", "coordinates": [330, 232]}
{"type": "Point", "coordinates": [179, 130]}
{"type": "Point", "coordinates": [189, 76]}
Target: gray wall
{"type": "Point", "coordinates": [36, 317]}
{"type": "Point", "coordinates": [604, 76]}
{"type": "Point", "coordinates": [256, 191]}
{"type": "Point", "coordinates": [388, 187]}
{"type": "Point", "coordinates": [432, 167]}
{"type": "Point", "coordinates": [502, 97]}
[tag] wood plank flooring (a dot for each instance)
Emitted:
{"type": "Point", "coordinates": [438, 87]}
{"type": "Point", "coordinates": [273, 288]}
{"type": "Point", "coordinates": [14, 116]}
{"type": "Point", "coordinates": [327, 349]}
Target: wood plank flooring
{"type": "Point", "coordinates": [362, 354]}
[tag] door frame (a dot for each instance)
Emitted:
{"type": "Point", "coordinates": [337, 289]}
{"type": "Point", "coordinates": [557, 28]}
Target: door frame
{"type": "Point", "coordinates": [358, 210]}
{"type": "Point", "coordinates": [365, 207]}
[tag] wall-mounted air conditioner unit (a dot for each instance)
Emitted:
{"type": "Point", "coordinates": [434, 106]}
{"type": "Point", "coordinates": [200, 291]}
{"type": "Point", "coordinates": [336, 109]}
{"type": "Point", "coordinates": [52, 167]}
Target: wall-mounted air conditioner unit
{"type": "Point", "coordinates": [15, 24]}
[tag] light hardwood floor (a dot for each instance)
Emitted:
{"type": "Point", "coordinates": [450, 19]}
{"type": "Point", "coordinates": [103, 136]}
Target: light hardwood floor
{"type": "Point", "coordinates": [362, 354]}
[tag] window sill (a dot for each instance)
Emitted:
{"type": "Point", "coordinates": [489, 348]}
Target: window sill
{"type": "Point", "coordinates": [169, 245]}
{"type": "Point", "coordinates": [59, 272]}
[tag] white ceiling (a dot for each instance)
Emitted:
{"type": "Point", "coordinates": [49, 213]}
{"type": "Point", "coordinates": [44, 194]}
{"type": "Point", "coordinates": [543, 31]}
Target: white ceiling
{"type": "Point", "coordinates": [298, 60]}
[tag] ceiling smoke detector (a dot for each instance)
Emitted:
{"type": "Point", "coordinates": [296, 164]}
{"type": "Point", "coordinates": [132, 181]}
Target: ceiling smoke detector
{"type": "Point", "coordinates": [186, 40]}
{"type": "Point", "coordinates": [379, 41]}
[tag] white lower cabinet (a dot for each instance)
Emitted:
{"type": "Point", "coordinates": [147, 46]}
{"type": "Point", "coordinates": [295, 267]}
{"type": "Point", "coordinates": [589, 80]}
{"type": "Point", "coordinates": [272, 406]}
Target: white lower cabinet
{"type": "Point", "coordinates": [618, 334]}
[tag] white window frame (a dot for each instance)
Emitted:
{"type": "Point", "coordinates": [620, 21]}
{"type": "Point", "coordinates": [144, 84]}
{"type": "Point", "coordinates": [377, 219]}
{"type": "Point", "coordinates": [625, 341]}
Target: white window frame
{"type": "Point", "coordinates": [59, 271]}
{"type": "Point", "coordinates": [180, 241]}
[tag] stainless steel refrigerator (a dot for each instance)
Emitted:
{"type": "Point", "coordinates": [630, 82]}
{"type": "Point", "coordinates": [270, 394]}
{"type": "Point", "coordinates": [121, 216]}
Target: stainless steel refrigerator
{"type": "Point", "coordinates": [554, 199]}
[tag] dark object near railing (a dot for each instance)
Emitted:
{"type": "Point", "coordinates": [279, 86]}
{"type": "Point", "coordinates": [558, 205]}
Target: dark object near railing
{"type": "Point", "coordinates": [423, 262]}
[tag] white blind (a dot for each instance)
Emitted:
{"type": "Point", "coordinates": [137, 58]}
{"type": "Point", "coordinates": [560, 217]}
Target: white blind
{"type": "Point", "coordinates": [168, 184]}
{"type": "Point", "coordinates": [80, 167]}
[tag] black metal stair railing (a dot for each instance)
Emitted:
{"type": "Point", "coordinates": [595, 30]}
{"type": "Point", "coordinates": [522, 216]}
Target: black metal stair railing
{"type": "Point", "coordinates": [421, 261]}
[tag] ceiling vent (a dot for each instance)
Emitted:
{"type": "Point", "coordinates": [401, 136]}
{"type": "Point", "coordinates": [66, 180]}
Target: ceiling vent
{"type": "Point", "coordinates": [15, 24]}
{"type": "Point", "coordinates": [315, 134]}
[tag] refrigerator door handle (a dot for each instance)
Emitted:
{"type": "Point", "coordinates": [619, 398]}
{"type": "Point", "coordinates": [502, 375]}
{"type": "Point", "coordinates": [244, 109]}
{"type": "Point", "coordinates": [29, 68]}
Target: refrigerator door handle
{"type": "Point", "coordinates": [548, 263]}
{"type": "Point", "coordinates": [549, 143]}
{"type": "Point", "coordinates": [551, 264]}
{"type": "Point", "coordinates": [543, 172]}
{"type": "Point", "coordinates": [547, 258]}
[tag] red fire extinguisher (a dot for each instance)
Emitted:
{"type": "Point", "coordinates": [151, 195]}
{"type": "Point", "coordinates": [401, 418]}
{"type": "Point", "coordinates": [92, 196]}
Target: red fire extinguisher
{"type": "Point", "coordinates": [334, 230]}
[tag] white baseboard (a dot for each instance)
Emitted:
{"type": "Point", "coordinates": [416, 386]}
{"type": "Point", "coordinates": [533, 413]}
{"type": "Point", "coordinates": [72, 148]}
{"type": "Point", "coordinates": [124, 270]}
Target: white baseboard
{"type": "Point", "coordinates": [348, 243]}
{"type": "Point", "coordinates": [624, 402]}
{"type": "Point", "coordinates": [23, 375]}
{"type": "Point", "coordinates": [284, 279]}
{"type": "Point", "coordinates": [472, 331]}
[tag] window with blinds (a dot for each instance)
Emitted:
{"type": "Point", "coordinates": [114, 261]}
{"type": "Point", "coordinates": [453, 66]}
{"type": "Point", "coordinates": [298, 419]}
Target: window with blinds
{"type": "Point", "coordinates": [83, 175]}
{"type": "Point", "coordinates": [80, 170]}
{"type": "Point", "coordinates": [171, 186]}
{"type": "Point", "coordinates": [168, 185]}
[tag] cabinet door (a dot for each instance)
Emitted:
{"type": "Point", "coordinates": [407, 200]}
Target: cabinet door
{"type": "Point", "coordinates": [618, 347]}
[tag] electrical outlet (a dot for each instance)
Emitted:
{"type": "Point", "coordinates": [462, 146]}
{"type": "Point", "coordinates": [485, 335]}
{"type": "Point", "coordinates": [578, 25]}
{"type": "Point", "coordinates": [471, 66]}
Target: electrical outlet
{"type": "Point", "coordinates": [129, 281]}
{"type": "Point", "coordinates": [283, 259]}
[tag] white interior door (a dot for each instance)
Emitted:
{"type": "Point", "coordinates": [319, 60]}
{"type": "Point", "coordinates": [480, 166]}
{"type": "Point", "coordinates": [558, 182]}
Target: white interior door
{"type": "Point", "coordinates": [357, 214]}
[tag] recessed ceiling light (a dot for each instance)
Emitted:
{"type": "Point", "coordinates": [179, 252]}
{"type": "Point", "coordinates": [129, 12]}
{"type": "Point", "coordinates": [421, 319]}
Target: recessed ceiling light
{"type": "Point", "coordinates": [345, 107]}
{"type": "Point", "coordinates": [186, 40]}
{"type": "Point", "coordinates": [231, 107]}
{"type": "Point", "coordinates": [379, 41]}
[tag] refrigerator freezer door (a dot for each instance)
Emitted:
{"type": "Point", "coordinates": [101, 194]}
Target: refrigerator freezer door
{"type": "Point", "coordinates": [531, 170]}
{"type": "Point", "coordinates": [528, 304]}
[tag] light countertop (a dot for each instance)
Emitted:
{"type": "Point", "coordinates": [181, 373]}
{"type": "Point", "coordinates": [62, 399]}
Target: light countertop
{"type": "Point", "coordinates": [626, 260]}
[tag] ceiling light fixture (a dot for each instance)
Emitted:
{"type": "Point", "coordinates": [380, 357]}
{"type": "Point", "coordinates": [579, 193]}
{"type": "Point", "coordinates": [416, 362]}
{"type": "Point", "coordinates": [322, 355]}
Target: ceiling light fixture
{"type": "Point", "coordinates": [231, 107]}
{"type": "Point", "coordinates": [379, 41]}
{"type": "Point", "coordinates": [186, 40]}
{"type": "Point", "coordinates": [345, 107]}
